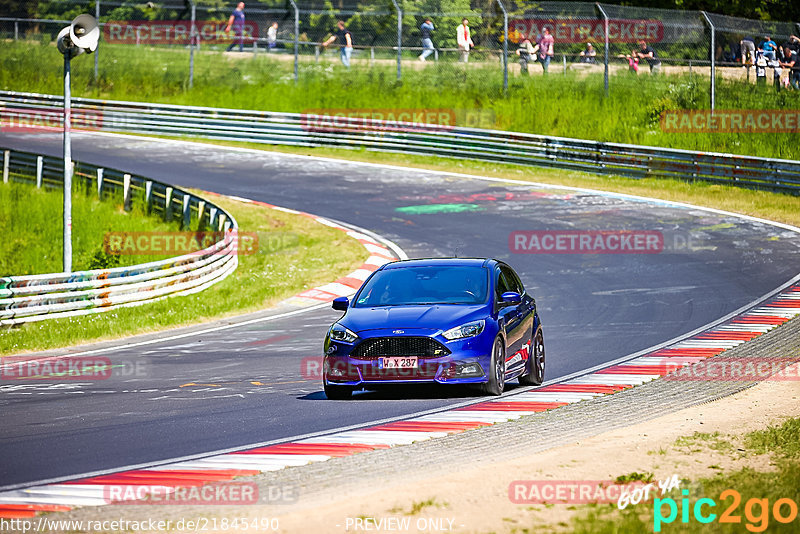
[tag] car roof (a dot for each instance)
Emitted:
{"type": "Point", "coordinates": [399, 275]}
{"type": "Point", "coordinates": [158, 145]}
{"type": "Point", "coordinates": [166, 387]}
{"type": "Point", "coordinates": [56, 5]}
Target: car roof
{"type": "Point", "coordinates": [429, 262]}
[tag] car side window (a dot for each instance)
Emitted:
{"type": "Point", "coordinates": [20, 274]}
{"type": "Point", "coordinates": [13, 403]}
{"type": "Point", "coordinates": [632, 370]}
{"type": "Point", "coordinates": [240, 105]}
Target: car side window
{"type": "Point", "coordinates": [501, 283]}
{"type": "Point", "coordinates": [512, 280]}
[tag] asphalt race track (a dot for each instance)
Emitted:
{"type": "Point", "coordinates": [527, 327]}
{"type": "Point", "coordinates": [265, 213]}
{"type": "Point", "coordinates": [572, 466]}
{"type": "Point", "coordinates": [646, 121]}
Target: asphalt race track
{"type": "Point", "coordinates": [244, 385]}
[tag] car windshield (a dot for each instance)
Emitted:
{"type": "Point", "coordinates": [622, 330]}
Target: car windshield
{"type": "Point", "coordinates": [446, 284]}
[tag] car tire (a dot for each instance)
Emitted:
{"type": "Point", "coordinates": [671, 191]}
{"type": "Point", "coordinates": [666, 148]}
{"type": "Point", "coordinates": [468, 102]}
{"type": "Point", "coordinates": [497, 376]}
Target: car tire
{"type": "Point", "coordinates": [536, 363]}
{"type": "Point", "coordinates": [497, 369]}
{"type": "Point", "coordinates": [338, 392]}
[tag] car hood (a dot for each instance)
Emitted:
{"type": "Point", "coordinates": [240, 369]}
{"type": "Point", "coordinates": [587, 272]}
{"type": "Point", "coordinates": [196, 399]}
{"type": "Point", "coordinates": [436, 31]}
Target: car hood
{"type": "Point", "coordinates": [434, 317]}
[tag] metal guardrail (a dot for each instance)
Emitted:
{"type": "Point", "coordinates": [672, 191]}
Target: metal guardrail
{"type": "Point", "coordinates": [416, 138]}
{"type": "Point", "coordinates": [25, 299]}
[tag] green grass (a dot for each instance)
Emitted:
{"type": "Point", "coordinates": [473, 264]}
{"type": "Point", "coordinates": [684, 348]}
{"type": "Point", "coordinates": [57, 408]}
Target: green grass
{"type": "Point", "coordinates": [31, 221]}
{"type": "Point", "coordinates": [296, 253]}
{"type": "Point", "coordinates": [569, 106]}
{"type": "Point", "coordinates": [782, 441]}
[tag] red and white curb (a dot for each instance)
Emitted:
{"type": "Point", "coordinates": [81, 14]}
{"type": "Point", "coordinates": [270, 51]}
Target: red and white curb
{"type": "Point", "coordinates": [345, 286]}
{"type": "Point", "coordinates": [223, 467]}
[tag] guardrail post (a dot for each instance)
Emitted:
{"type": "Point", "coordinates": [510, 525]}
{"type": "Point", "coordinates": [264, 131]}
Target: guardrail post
{"type": "Point", "coordinates": [168, 204]}
{"type": "Point", "coordinates": [148, 195]}
{"type": "Point", "coordinates": [16, 30]}
{"type": "Point", "coordinates": [297, 37]}
{"type": "Point", "coordinates": [186, 204]}
{"type": "Point", "coordinates": [6, 161]}
{"type": "Point", "coordinates": [222, 221]}
{"type": "Point", "coordinates": [713, 58]}
{"type": "Point", "coordinates": [605, 58]}
{"type": "Point", "coordinates": [201, 209]}
{"type": "Point", "coordinates": [316, 53]}
{"type": "Point", "coordinates": [126, 192]}
{"type": "Point", "coordinates": [39, 169]}
{"type": "Point", "coordinates": [212, 217]}
{"type": "Point", "coordinates": [100, 183]}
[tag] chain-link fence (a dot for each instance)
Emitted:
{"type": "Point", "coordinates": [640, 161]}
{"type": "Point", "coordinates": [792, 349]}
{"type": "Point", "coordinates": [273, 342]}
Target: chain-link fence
{"type": "Point", "coordinates": [499, 39]}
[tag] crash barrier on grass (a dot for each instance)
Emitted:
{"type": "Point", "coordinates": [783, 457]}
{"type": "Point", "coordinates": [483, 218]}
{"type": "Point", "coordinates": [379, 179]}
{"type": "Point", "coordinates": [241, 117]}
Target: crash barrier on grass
{"type": "Point", "coordinates": [25, 299]}
{"type": "Point", "coordinates": [317, 129]}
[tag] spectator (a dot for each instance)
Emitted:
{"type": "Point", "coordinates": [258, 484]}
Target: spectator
{"type": "Point", "coordinates": [546, 43]}
{"type": "Point", "coordinates": [272, 36]}
{"type": "Point", "coordinates": [237, 21]}
{"type": "Point", "coordinates": [648, 54]}
{"type": "Point", "coordinates": [345, 39]}
{"type": "Point", "coordinates": [633, 61]}
{"type": "Point", "coordinates": [768, 47]}
{"type": "Point", "coordinates": [527, 54]}
{"type": "Point", "coordinates": [427, 43]}
{"type": "Point", "coordinates": [464, 40]}
{"type": "Point", "coordinates": [761, 67]}
{"type": "Point", "coordinates": [589, 55]}
{"type": "Point", "coordinates": [794, 44]}
{"type": "Point", "coordinates": [792, 63]}
{"type": "Point", "coordinates": [748, 51]}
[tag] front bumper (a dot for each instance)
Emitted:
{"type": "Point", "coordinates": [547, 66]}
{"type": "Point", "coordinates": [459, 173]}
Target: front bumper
{"type": "Point", "coordinates": [466, 364]}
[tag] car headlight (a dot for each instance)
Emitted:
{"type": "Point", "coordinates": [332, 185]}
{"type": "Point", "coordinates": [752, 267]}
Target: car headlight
{"type": "Point", "coordinates": [340, 333]}
{"type": "Point", "coordinates": [465, 330]}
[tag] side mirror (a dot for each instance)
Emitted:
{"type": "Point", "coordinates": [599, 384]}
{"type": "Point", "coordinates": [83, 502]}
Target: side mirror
{"type": "Point", "coordinates": [510, 298]}
{"type": "Point", "coordinates": [340, 303]}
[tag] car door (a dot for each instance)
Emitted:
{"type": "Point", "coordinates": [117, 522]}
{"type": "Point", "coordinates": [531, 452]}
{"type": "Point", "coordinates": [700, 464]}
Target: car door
{"type": "Point", "coordinates": [509, 315]}
{"type": "Point", "coordinates": [526, 308]}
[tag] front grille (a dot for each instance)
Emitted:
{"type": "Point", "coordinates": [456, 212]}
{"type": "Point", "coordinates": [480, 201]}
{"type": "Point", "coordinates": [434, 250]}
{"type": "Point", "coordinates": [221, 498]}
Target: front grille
{"type": "Point", "coordinates": [421, 346]}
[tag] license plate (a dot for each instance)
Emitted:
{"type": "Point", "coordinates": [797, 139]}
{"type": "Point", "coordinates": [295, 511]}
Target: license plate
{"type": "Point", "coordinates": [398, 362]}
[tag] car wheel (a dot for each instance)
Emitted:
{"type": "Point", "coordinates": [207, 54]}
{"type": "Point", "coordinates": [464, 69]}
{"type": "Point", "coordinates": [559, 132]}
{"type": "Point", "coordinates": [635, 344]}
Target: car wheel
{"type": "Point", "coordinates": [497, 370]}
{"type": "Point", "coordinates": [338, 392]}
{"type": "Point", "coordinates": [535, 375]}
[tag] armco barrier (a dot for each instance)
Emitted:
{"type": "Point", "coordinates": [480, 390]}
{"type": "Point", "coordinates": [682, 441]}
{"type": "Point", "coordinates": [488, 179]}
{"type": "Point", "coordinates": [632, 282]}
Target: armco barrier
{"type": "Point", "coordinates": [46, 296]}
{"type": "Point", "coordinates": [435, 140]}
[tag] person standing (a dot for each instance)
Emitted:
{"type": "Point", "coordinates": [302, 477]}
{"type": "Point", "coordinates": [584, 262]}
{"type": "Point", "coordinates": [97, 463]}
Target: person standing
{"type": "Point", "coordinates": [464, 40]}
{"type": "Point", "coordinates": [546, 44]}
{"type": "Point", "coordinates": [792, 62]}
{"type": "Point", "coordinates": [272, 36]}
{"type": "Point", "coordinates": [345, 39]}
{"type": "Point", "coordinates": [748, 46]}
{"type": "Point", "coordinates": [527, 54]}
{"type": "Point", "coordinates": [427, 43]}
{"type": "Point", "coordinates": [649, 54]}
{"type": "Point", "coordinates": [237, 21]}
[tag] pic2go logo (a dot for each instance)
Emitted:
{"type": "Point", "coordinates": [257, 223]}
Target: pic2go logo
{"type": "Point", "coordinates": [756, 511]}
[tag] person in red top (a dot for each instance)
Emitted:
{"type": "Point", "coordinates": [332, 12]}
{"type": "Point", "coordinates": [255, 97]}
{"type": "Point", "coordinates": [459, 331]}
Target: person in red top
{"type": "Point", "coordinates": [464, 40]}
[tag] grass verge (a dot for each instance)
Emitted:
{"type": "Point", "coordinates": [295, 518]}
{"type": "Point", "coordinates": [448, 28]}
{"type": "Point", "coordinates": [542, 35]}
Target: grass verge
{"type": "Point", "coordinates": [31, 221]}
{"type": "Point", "coordinates": [295, 253]}
{"type": "Point", "coordinates": [758, 492]}
{"type": "Point", "coordinates": [571, 105]}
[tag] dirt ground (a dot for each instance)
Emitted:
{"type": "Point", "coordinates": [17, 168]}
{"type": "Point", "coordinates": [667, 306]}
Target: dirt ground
{"type": "Point", "coordinates": [442, 505]}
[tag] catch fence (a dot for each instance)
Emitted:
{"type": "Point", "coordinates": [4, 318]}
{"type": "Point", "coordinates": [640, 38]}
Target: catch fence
{"type": "Point", "coordinates": [387, 34]}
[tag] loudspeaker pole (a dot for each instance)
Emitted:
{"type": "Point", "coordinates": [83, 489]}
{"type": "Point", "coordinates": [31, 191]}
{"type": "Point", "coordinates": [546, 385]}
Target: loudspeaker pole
{"type": "Point", "coordinates": [67, 239]}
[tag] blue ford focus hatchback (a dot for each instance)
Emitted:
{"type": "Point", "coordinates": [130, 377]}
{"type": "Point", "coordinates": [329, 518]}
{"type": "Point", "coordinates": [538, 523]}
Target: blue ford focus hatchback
{"type": "Point", "coordinates": [447, 321]}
